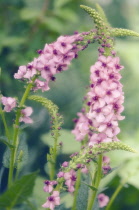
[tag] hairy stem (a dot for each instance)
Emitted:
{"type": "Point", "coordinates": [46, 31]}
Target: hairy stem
{"type": "Point", "coordinates": [16, 132]}
{"type": "Point", "coordinates": [78, 181]}
{"type": "Point", "coordinates": [96, 183]}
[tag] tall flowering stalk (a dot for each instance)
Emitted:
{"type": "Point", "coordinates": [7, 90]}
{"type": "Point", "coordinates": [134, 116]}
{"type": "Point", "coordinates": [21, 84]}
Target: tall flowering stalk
{"type": "Point", "coordinates": [96, 126]}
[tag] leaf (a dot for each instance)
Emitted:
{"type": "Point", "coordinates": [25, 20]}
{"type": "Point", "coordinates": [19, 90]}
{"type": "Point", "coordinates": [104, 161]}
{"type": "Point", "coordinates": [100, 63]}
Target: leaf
{"type": "Point", "coordinates": [82, 198]}
{"type": "Point", "coordinates": [123, 32]}
{"type": "Point", "coordinates": [69, 143]}
{"type": "Point", "coordinates": [110, 171]}
{"type": "Point", "coordinates": [53, 24]}
{"type": "Point", "coordinates": [5, 140]}
{"type": "Point", "coordinates": [91, 187]}
{"type": "Point", "coordinates": [67, 14]}
{"type": "Point", "coordinates": [22, 147]}
{"type": "Point", "coordinates": [6, 158]}
{"type": "Point", "coordinates": [60, 3]}
{"type": "Point", "coordinates": [19, 191]}
{"type": "Point", "coordinates": [29, 14]}
{"type": "Point", "coordinates": [38, 193]}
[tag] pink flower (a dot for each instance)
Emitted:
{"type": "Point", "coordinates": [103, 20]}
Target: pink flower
{"type": "Point", "coordinates": [21, 72]}
{"type": "Point", "coordinates": [81, 128]}
{"type": "Point", "coordinates": [53, 59]}
{"type": "Point", "coordinates": [49, 185]}
{"type": "Point", "coordinates": [105, 99]}
{"type": "Point", "coordinates": [70, 178]}
{"type": "Point", "coordinates": [25, 115]}
{"type": "Point", "coordinates": [52, 201]}
{"type": "Point", "coordinates": [103, 200]}
{"type": "Point", "coordinates": [65, 164]}
{"type": "Point", "coordinates": [84, 170]}
{"type": "Point", "coordinates": [60, 174]}
{"type": "Point", "coordinates": [9, 103]}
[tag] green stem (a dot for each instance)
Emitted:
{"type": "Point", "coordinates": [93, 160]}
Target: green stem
{"type": "Point", "coordinates": [53, 164]}
{"type": "Point", "coordinates": [96, 184]}
{"type": "Point", "coordinates": [78, 181]}
{"type": "Point", "coordinates": [54, 155]}
{"type": "Point", "coordinates": [5, 123]}
{"type": "Point", "coordinates": [118, 189]}
{"type": "Point", "coordinates": [16, 132]}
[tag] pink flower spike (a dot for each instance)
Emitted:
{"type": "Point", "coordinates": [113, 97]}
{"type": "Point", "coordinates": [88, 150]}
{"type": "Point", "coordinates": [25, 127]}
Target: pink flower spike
{"type": "Point", "coordinates": [103, 200]}
{"type": "Point", "coordinates": [9, 103]}
{"type": "Point", "coordinates": [25, 115]}
{"type": "Point", "coordinates": [52, 201]}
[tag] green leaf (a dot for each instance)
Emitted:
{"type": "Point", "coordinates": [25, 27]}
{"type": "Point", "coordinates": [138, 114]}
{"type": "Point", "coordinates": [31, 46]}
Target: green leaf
{"type": "Point", "coordinates": [123, 32]}
{"type": "Point", "coordinates": [29, 14]}
{"type": "Point", "coordinates": [91, 187]}
{"type": "Point", "coordinates": [53, 24]}
{"type": "Point", "coordinates": [60, 3]}
{"type": "Point", "coordinates": [5, 140]}
{"type": "Point", "coordinates": [82, 198]}
{"type": "Point", "coordinates": [6, 158]}
{"type": "Point", "coordinates": [19, 191]}
{"type": "Point", "coordinates": [22, 147]}
{"type": "Point", "coordinates": [69, 143]}
{"type": "Point", "coordinates": [67, 14]}
{"type": "Point", "coordinates": [38, 194]}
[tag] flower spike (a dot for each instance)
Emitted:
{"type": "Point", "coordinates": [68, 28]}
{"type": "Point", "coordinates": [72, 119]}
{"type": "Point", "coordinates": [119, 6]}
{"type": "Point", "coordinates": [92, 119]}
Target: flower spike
{"type": "Point", "coordinates": [123, 32]}
{"type": "Point", "coordinates": [94, 14]}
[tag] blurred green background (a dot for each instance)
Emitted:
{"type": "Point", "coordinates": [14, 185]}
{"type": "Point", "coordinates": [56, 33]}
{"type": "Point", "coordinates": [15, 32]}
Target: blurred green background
{"type": "Point", "coordinates": [25, 26]}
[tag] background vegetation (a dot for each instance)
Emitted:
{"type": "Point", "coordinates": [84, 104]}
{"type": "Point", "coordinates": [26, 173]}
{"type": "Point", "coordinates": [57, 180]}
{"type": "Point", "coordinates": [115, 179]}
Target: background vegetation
{"type": "Point", "coordinates": [26, 25]}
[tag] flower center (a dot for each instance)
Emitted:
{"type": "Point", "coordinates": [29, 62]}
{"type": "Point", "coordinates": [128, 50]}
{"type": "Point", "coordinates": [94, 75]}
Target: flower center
{"type": "Point", "coordinates": [51, 198]}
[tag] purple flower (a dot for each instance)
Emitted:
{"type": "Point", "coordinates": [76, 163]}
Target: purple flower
{"type": "Point", "coordinates": [52, 201]}
{"type": "Point", "coordinates": [25, 113]}
{"type": "Point", "coordinates": [102, 200]}
{"type": "Point", "coordinates": [53, 59]}
{"type": "Point", "coordinates": [105, 100]}
{"type": "Point", "coordinates": [49, 185]}
{"type": "Point", "coordinates": [70, 178]}
{"type": "Point", "coordinates": [65, 164]}
{"type": "Point", "coordinates": [9, 103]}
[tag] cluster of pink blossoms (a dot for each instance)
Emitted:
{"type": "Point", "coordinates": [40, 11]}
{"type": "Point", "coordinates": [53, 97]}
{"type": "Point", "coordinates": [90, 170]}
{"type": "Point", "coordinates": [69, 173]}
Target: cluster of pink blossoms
{"type": "Point", "coordinates": [53, 59]}
{"type": "Point", "coordinates": [11, 103]}
{"type": "Point", "coordinates": [105, 99]}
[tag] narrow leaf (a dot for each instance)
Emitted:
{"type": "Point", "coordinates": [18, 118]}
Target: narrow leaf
{"type": "Point", "coordinates": [19, 191]}
{"type": "Point", "coordinates": [123, 32]}
{"type": "Point", "coordinates": [91, 187]}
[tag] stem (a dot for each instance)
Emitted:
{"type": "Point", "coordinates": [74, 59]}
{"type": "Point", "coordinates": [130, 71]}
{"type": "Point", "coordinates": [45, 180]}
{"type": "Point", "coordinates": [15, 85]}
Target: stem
{"type": "Point", "coordinates": [96, 184]}
{"type": "Point", "coordinates": [76, 189]}
{"type": "Point", "coordinates": [53, 164]}
{"type": "Point", "coordinates": [5, 123]}
{"type": "Point", "coordinates": [118, 189]}
{"type": "Point", "coordinates": [54, 154]}
{"type": "Point", "coordinates": [16, 132]}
